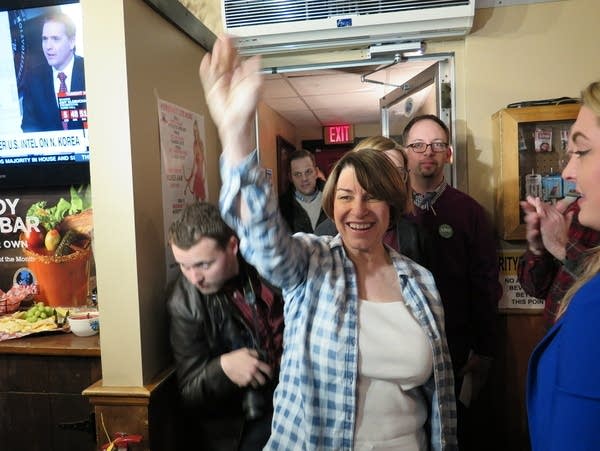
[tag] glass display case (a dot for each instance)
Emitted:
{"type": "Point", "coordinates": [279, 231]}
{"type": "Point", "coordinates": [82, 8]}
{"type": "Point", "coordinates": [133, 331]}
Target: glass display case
{"type": "Point", "coordinates": [529, 145]}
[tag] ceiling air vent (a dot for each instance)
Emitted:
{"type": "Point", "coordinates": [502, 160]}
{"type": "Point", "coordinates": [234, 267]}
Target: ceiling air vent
{"type": "Point", "coordinates": [268, 26]}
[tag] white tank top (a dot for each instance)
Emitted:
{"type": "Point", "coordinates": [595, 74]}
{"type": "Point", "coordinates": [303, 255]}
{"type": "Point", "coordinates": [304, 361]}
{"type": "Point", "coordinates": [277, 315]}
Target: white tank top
{"type": "Point", "coordinates": [395, 359]}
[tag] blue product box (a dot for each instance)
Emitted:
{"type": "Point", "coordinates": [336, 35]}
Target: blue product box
{"type": "Point", "coordinates": [552, 187]}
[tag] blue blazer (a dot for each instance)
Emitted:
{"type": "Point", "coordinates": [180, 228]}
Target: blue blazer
{"type": "Point", "coordinates": [40, 111]}
{"type": "Point", "coordinates": [563, 382]}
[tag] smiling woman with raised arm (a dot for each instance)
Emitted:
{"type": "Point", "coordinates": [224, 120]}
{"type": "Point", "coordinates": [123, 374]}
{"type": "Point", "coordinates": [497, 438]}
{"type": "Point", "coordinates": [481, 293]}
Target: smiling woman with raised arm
{"type": "Point", "coordinates": [563, 387]}
{"type": "Point", "coordinates": [365, 362]}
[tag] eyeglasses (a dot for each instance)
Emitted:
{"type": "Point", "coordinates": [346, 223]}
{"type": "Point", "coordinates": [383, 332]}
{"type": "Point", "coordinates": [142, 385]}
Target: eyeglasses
{"type": "Point", "coordinates": [403, 173]}
{"type": "Point", "coordinates": [437, 147]}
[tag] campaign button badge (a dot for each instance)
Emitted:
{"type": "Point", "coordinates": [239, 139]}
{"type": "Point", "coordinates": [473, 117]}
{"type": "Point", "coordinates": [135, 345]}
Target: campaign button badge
{"type": "Point", "coordinates": [445, 231]}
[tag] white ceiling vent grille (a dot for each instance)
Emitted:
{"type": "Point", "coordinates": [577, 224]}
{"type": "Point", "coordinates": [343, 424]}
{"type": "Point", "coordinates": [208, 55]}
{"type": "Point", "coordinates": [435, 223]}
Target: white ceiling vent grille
{"type": "Point", "coordinates": [262, 25]}
{"type": "Point", "coordinates": [244, 13]}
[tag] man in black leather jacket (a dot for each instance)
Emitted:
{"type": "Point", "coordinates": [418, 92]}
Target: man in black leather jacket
{"type": "Point", "coordinates": [226, 330]}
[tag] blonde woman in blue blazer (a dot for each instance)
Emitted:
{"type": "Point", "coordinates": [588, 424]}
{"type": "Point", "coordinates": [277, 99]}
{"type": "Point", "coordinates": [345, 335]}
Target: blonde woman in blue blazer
{"type": "Point", "coordinates": [563, 387]}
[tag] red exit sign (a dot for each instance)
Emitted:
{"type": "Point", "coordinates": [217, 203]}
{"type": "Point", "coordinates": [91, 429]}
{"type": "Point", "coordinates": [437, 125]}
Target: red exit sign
{"type": "Point", "coordinates": [338, 134]}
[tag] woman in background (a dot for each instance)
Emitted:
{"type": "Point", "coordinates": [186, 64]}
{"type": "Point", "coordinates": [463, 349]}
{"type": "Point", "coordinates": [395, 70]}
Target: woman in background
{"type": "Point", "coordinates": [563, 387]}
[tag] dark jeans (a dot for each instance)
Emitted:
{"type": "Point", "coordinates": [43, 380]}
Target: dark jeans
{"type": "Point", "coordinates": [256, 434]}
{"type": "Point", "coordinates": [475, 424]}
{"type": "Point", "coordinates": [464, 434]}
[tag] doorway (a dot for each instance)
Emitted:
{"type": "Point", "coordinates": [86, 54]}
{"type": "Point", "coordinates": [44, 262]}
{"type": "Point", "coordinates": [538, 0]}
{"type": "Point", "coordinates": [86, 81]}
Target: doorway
{"type": "Point", "coordinates": [428, 92]}
{"type": "Point", "coordinates": [376, 96]}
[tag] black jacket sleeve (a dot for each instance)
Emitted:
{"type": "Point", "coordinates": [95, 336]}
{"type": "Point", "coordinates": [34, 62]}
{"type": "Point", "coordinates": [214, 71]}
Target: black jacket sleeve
{"type": "Point", "coordinates": [197, 354]}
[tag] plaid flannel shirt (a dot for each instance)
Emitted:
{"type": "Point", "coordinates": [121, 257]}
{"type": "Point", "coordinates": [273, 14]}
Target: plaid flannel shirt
{"type": "Point", "coordinates": [315, 400]}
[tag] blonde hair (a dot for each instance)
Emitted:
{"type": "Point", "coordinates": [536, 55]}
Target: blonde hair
{"type": "Point", "coordinates": [383, 144]}
{"type": "Point", "coordinates": [591, 99]}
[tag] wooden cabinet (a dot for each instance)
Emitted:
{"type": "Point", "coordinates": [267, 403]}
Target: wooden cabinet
{"type": "Point", "coordinates": [528, 141]}
{"type": "Point", "coordinates": [41, 384]}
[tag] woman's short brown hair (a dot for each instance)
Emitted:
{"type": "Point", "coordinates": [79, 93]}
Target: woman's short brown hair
{"type": "Point", "coordinates": [376, 174]}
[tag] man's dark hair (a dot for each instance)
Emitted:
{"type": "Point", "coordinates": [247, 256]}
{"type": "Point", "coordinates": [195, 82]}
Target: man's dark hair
{"type": "Point", "coordinates": [298, 154]}
{"type": "Point", "coordinates": [196, 221]}
{"type": "Point", "coordinates": [423, 117]}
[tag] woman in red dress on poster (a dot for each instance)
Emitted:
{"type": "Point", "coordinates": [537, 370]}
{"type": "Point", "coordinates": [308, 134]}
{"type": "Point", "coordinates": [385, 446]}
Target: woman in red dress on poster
{"type": "Point", "coordinates": [195, 182]}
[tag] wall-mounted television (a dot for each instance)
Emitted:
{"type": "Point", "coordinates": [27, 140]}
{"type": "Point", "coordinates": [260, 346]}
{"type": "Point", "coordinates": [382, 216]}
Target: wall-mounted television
{"type": "Point", "coordinates": [43, 114]}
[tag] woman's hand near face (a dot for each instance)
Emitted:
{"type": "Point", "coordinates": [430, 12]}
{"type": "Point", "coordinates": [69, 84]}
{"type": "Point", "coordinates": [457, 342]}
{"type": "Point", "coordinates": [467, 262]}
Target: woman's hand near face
{"type": "Point", "coordinates": [547, 226]}
{"type": "Point", "coordinates": [532, 226]}
{"type": "Point", "coordinates": [555, 226]}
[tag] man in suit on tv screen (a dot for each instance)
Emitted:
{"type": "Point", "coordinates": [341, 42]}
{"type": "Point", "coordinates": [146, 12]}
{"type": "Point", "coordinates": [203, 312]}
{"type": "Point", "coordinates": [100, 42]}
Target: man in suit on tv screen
{"type": "Point", "coordinates": [61, 74]}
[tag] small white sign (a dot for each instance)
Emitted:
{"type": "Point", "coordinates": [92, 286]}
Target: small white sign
{"type": "Point", "coordinates": [513, 296]}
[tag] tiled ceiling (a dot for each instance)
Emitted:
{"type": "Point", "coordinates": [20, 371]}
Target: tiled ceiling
{"type": "Point", "coordinates": [333, 96]}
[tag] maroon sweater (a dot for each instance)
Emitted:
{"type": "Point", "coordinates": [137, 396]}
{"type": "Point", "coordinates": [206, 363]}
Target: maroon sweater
{"type": "Point", "coordinates": [466, 272]}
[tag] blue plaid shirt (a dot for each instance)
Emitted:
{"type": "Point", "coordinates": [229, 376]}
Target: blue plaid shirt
{"type": "Point", "coordinates": [315, 400]}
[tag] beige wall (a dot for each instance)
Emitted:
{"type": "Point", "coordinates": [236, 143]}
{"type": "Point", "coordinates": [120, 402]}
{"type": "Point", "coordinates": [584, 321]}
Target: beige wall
{"type": "Point", "coordinates": [271, 124]}
{"type": "Point", "coordinates": [525, 52]}
{"type": "Point", "coordinates": [208, 12]}
{"type": "Point", "coordinates": [132, 55]}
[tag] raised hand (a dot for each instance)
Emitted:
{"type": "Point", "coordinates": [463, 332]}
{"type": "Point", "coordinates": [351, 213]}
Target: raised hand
{"type": "Point", "coordinates": [547, 226]}
{"type": "Point", "coordinates": [554, 225]}
{"type": "Point", "coordinates": [532, 226]}
{"type": "Point", "coordinates": [232, 87]}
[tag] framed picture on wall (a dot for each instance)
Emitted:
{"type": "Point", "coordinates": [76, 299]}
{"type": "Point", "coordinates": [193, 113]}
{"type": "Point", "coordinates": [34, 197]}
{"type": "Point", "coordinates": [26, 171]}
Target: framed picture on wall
{"type": "Point", "coordinates": [284, 148]}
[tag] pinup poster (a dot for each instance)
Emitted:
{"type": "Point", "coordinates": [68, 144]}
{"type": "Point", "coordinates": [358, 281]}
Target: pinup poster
{"type": "Point", "coordinates": [183, 175]}
{"type": "Point", "coordinates": [513, 296]}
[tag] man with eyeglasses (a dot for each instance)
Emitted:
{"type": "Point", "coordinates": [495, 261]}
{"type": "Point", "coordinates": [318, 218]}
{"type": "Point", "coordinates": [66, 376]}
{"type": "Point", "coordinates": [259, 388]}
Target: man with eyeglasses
{"type": "Point", "coordinates": [466, 266]}
{"type": "Point", "coordinates": [300, 205]}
